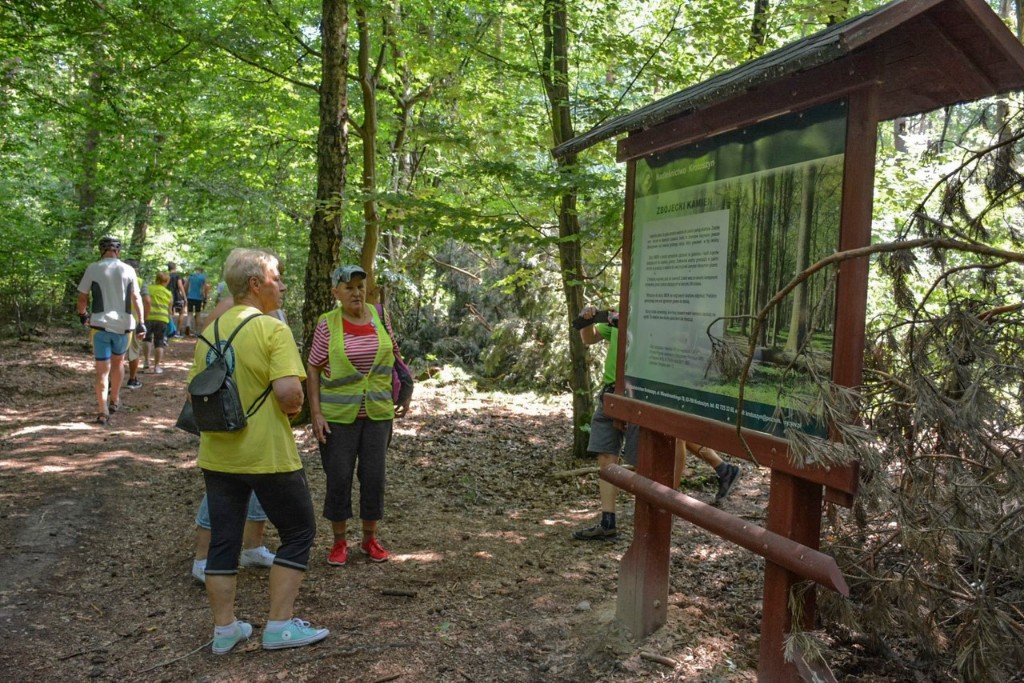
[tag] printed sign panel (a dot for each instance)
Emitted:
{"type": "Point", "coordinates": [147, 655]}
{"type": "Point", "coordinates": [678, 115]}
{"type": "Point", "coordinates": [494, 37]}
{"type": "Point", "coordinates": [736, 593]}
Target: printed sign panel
{"type": "Point", "coordinates": [719, 227]}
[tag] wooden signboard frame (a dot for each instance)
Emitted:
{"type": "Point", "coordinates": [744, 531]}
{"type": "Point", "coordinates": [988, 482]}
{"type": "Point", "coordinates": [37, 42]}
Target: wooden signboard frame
{"type": "Point", "coordinates": [900, 59]}
{"type": "Point", "coordinates": [796, 494]}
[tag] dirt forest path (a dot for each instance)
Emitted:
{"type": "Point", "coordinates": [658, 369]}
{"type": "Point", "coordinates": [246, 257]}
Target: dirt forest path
{"type": "Point", "coordinates": [484, 583]}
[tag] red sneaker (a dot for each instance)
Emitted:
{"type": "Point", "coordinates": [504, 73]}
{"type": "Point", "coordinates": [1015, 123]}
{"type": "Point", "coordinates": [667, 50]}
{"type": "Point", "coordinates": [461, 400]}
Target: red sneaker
{"type": "Point", "coordinates": [339, 554]}
{"type": "Point", "coordinates": [374, 550]}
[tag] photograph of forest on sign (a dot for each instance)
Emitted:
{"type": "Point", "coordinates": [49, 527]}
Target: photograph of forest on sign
{"type": "Point", "coordinates": [719, 227]}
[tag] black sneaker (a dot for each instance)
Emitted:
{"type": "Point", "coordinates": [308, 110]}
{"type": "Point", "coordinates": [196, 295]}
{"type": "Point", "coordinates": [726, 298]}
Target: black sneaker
{"type": "Point", "coordinates": [727, 481]}
{"type": "Point", "coordinates": [133, 384]}
{"type": "Point", "coordinates": [596, 533]}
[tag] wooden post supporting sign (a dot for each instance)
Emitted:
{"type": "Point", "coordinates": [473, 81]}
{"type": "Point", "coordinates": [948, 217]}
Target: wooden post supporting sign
{"type": "Point", "coordinates": [643, 574]}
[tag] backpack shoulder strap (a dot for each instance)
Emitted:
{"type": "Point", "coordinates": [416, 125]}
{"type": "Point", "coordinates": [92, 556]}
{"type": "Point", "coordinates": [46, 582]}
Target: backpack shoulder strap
{"type": "Point", "coordinates": [216, 337]}
{"type": "Point", "coordinates": [384, 321]}
{"type": "Point", "coordinates": [237, 329]}
{"type": "Point", "coordinates": [387, 328]}
{"type": "Point", "coordinates": [262, 398]}
{"type": "Point", "coordinates": [216, 334]}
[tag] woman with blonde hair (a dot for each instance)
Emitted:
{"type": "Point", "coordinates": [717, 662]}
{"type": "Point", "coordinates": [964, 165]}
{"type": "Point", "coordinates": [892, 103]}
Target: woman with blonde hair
{"type": "Point", "coordinates": [262, 457]}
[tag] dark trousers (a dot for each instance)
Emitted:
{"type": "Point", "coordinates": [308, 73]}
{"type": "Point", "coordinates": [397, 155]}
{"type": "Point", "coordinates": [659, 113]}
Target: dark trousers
{"type": "Point", "coordinates": [286, 500]}
{"type": "Point", "coordinates": [364, 442]}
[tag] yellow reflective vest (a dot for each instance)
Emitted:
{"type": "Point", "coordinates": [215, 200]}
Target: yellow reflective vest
{"type": "Point", "coordinates": [347, 388]}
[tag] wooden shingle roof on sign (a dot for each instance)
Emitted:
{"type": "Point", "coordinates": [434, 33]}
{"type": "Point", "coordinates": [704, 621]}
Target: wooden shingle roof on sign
{"type": "Point", "coordinates": [921, 54]}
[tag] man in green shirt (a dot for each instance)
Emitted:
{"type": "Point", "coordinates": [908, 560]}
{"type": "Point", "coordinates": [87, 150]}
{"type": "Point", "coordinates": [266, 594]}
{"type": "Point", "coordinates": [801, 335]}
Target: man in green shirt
{"type": "Point", "coordinates": [607, 441]}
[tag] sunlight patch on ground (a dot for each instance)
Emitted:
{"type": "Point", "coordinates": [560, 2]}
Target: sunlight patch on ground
{"type": "Point", "coordinates": [708, 553]}
{"type": "Point", "coordinates": [73, 427]}
{"type": "Point", "coordinates": [426, 556]}
{"type": "Point", "coordinates": [511, 536]}
{"type": "Point", "coordinates": [526, 403]}
{"type": "Point", "coordinates": [129, 455]}
{"type": "Point", "coordinates": [483, 555]}
{"type": "Point", "coordinates": [77, 462]}
{"type": "Point", "coordinates": [571, 517]}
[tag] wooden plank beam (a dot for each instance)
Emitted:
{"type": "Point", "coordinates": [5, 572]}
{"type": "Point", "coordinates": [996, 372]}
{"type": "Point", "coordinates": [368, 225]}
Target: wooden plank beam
{"type": "Point", "coordinates": [769, 451]}
{"type": "Point", "coordinates": [799, 559]}
{"type": "Point", "coordinates": [794, 511]}
{"type": "Point", "coordinates": [795, 93]}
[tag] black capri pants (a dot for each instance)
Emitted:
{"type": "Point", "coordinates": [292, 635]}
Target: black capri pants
{"type": "Point", "coordinates": [364, 442]}
{"type": "Point", "coordinates": [286, 500]}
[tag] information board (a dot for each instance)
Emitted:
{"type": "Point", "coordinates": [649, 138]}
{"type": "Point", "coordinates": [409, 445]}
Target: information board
{"type": "Point", "coordinates": [718, 228]}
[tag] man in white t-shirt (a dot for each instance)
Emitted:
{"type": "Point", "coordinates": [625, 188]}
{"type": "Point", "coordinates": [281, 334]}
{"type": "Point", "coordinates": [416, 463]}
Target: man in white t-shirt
{"type": "Point", "coordinates": [114, 288]}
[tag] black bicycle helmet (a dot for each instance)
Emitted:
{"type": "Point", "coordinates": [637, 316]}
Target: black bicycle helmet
{"type": "Point", "coordinates": [109, 242]}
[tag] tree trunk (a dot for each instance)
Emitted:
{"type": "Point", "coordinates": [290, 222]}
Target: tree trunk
{"type": "Point", "coordinates": [143, 218]}
{"type": "Point", "coordinates": [368, 132]}
{"type": "Point", "coordinates": [556, 84]}
{"type": "Point", "coordinates": [144, 207]}
{"type": "Point", "coordinates": [763, 255]}
{"type": "Point", "coordinates": [1004, 178]}
{"type": "Point", "coordinates": [332, 155]}
{"type": "Point", "coordinates": [403, 159]}
{"type": "Point", "coordinates": [758, 28]}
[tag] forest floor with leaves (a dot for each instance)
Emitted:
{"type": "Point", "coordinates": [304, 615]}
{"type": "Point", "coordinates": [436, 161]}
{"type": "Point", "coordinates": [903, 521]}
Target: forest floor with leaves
{"type": "Point", "coordinates": [484, 581]}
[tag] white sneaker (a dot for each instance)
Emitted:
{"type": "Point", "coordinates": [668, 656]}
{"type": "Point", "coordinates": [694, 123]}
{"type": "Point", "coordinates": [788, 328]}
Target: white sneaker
{"type": "Point", "coordinates": [158, 370]}
{"type": "Point", "coordinates": [199, 571]}
{"type": "Point", "coordinates": [256, 557]}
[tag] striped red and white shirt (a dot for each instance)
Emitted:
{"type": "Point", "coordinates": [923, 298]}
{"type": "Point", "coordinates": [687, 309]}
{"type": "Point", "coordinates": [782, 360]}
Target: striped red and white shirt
{"type": "Point", "coordinates": [360, 346]}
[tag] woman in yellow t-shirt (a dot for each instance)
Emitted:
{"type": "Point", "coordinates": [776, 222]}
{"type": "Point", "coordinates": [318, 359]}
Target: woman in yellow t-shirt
{"type": "Point", "coordinates": [261, 458]}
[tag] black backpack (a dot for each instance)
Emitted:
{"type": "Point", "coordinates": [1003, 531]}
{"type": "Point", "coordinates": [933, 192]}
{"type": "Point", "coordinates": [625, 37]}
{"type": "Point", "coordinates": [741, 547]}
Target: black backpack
{"type": "Point", "coordinates": [215, 401]}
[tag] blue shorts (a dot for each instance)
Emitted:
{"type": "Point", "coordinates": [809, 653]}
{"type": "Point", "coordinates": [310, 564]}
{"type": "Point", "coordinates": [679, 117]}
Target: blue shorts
{"type": "Point", "coordinates": [105, 344]}
{"type": "Point", "coordinates": [255, 513]}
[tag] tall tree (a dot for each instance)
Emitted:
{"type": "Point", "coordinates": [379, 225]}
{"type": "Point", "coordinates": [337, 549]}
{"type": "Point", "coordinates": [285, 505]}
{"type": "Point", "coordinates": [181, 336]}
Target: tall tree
{"type": "Point", "coordinates": [369, 77]}
{"type": "Point", "coordinates": [555, 74]}
{"type": "Point", "coordinates": [758, 28]}
{"type": "Point", "coordinates": [86, 183]}
{"type": "Point", "coordinates": [332, 157]}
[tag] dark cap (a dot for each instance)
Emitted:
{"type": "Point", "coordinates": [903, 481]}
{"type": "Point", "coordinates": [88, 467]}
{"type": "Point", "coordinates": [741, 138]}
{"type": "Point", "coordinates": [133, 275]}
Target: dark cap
{"type": "Point", "coordinates": [346, 273]}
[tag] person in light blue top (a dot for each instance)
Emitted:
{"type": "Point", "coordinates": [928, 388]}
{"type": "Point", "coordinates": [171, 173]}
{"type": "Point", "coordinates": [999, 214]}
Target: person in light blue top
{"type": "Point", "coordinates": [198, 291]}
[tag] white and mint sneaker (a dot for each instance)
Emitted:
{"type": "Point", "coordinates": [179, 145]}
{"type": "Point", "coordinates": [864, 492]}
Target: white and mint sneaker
{"type": "Point", "coordinates": [256, 557]}
{"type": "Point", "coordinates": [223, 644]}
{"type": "Point", "coordinates": [296, 633]}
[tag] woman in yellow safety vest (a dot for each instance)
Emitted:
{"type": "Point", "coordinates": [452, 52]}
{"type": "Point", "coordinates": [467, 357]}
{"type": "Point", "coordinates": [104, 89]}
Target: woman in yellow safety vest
{"type": "Point", "coordinates": [349, 387]}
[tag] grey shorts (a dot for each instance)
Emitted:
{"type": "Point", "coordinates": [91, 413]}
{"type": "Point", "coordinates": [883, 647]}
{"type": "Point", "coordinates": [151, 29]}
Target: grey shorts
{"type": "Point", "coordinates": [605, 438]}
{"type": "Point", "coordinates": [134, 347]}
